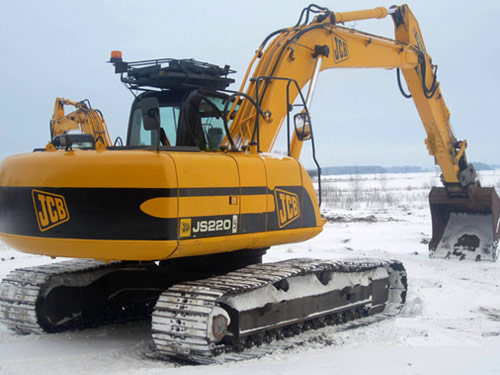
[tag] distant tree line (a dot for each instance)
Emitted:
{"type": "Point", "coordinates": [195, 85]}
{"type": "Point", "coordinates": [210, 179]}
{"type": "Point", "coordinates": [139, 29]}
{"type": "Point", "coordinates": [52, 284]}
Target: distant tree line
{"type": "Point", "coordinates": [376, 169]}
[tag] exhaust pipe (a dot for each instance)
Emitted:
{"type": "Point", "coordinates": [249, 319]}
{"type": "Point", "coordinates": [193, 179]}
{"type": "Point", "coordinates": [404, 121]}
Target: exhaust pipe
{"type": "Point", "coordinates": [465, 227]}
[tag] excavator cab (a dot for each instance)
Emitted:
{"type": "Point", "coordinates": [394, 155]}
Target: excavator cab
{"type": "Point", "coordinates": [190, 102]}
{"type": "Point", "coordinates": [466, 226]}
{"type": "Point", "coordinates": [185, 118]}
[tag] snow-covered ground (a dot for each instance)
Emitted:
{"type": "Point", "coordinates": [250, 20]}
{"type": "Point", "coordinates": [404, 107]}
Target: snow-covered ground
{"type": "Point", "coordinates": [450, 324]}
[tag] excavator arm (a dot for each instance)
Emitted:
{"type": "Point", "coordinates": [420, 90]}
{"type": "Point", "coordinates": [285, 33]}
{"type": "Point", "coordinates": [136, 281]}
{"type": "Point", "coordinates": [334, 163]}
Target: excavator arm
{"type": "Point", "coordinates": [290, 58]}
{"type": "Point", "coordinates": [85, 119]}
{"type": "Point", "coordinates": [465, 216]}
{"type": "Point", "coordinates": [424, 87]}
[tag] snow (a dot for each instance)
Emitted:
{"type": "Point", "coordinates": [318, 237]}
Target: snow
{"type": "Point", "coordinates": [298, 288]}
{"type": "Point", "coordinates": [269, 155]}
{"type": "Point", "coordinates": [449, 325]}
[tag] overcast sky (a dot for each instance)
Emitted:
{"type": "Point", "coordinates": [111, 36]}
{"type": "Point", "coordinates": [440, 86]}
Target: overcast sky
{"type": "Point", "coordinates": [59, 48]}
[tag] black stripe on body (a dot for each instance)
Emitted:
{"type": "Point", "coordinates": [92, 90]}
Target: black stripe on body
{"type": "Point", "coordinates": [115, 214]}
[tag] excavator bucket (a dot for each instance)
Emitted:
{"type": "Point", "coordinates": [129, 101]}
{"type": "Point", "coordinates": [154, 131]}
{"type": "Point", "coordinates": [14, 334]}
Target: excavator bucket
{"type": "Point", "coordinates": [465, 227]}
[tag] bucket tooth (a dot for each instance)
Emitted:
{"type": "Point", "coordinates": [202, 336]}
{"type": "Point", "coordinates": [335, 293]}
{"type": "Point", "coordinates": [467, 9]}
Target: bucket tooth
{"type": "Point", "coordinates": [465, 227]}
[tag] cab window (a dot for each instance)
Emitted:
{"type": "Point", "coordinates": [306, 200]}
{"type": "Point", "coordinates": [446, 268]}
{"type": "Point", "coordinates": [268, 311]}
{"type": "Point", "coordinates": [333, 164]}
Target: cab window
{"type": "Point", "coordinates": [169, 116]}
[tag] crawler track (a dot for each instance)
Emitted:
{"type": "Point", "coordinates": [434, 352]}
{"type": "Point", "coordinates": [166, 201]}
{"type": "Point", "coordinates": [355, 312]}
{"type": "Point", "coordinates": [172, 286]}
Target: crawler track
{"type": "Point", "coordinates": [287, 341]}
{"type": "Point", "coordinates": [65, 295]}
{"type": "Point", "coordinates": [78, 294]}
{"type": "Point", "coordinates": [199, 320]}
{"type": "Point", "coordinates": [196, 321]}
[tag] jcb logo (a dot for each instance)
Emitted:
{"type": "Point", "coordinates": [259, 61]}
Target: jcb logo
{"type": "Point", "coordinates": [288, 207]}
{"type": "Point", "coordinates": [340, 51]}
{"type": "Point", "coordinates": [50, 209]}
{"type": "Point", "coordinates": [185, 228]}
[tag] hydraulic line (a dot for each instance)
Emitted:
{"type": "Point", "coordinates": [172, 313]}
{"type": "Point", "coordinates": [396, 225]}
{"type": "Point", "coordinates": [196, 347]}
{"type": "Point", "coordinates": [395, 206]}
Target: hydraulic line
{"type": "Point", "coordinates": [400, 86]}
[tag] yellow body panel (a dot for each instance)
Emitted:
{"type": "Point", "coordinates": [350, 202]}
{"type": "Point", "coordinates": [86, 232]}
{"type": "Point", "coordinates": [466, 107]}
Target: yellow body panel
{"type": "Point", "coordinates": [205, 170]}
{"type": "Point", "coordinates": [106, 250]}
{"type": "Point", "coordinates": [151, 205]}
{"type": "Point", "coordinates": [117, 169]}
{"type": "Point", "coordinates": [161, 207]}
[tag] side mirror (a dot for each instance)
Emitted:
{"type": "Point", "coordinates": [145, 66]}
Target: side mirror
{"type": "Point", "coordinates": [302, 123]}
{"type": "Point", "coordinates": [150, 113]}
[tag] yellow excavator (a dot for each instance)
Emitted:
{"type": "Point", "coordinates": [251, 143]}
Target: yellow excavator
{"type": "Point", "coordinates": [83, 127]}
{"type": "Point", "coordinates": [174, 223]}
